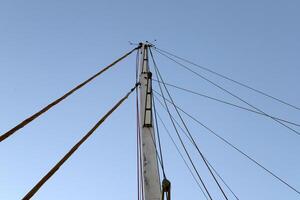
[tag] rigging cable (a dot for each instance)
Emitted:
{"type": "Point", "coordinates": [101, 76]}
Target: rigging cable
{"type": "Point", "coordinates": [186, 134]}
{"type": "Point", "coordinates": [141, 168]}
{"type": "Point", "coordinates": [185, 149]}
{"type": "Point", "coordinates": [46, 108]}
{"type": "Point", "coordinates": [220, 177]}
{"type": "Point", "coordinates": [158, 138]}
{"type": "Point", "coordinates": [233, 146]}
{"type": "Point", "coordinates": [228, 78]}
{"type": "Point", "coordinates": [226, 102]}
{"type": "Point", "coordinates": [157, 155]}
{"type": "Point", "coordinates": [228, 92]}
{"type": "Point", "coordinates": [75, 147]}
{"type": "Point", "coordinates": [138, 164]}
{"type": "Point", "coordinates": [139, 152]}
{"type": "Point", "coordinates": [159, 76]}
{"type": "Point", "coordinates": [182, 157]}
{"type": "Point", "coordinates": [137, 149]}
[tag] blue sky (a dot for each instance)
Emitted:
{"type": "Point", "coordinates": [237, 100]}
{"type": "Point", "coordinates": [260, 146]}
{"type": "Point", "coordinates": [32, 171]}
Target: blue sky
{"type": "Point", "coordinates": [47, 47]}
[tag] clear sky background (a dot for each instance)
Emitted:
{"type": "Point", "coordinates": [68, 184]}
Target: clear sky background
{"type": "Point", "coordinates": [47, 47]}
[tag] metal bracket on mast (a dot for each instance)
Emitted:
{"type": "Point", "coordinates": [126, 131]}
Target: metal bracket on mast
{"type": "Point", "coordinates": [148, 104]}
{"type": "Point", "coordinates": [166, 189]}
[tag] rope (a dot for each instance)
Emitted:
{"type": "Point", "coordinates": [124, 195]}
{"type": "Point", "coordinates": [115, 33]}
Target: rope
{"type": "Point", "coordinates": [179, 137]}
{"type": "Point", "coordinates": [137, 146]}
{"type": "Point", "coordinates": [193, 144]}
{"type": "Point", "coordinates": [234, 147]}
{"type": "Point", "coordinates": [227, 103]}
{"type": "Point", "coordinates": [228, 78]}
{"type": "Point", "coordinates": [140, 151]}
{"type": "Point", "coordinates": [158, 138]}
{"type": "Point", "coordinates": [137, 132]}
{"type": "Point", "coordinates": [230, 93]}
{"type": "Point", "coordinates": [158, 74]}
{"type": "Point", "coordinates": [46, 108]}
{"type": "Point", "coordinates": [74, 148]}
{"type": "Point", "coordinates": [157, 155]}
{"type": "Point", "coordinates": [217, 173]}
{"type": "Point", "coordinates": [181, 155]}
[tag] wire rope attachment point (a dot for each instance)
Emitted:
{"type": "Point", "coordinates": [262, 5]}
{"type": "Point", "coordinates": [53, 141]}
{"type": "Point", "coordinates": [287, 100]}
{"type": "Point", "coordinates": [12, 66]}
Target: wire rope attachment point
{"type": "Point", "coordinates": [166, 189]}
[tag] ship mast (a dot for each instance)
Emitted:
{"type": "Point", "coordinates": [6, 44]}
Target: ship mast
{"type": "Point", "coordinates": [150, 173]}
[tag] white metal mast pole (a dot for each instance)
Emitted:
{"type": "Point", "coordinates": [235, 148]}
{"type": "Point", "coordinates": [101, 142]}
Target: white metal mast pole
{"type": "Point", "coordinates": [150, 173]}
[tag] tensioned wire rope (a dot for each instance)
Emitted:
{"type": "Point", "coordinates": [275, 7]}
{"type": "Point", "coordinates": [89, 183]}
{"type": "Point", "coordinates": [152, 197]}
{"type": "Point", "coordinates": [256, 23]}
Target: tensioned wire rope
{"type": "Point", "coordinates": [182, 157]}
{"type": "Point", "coordinates": [139, 169]}
{"type": "Point", "coordinates": [156, 115]}
{"type": "Point", "coordinates": [74, 148]}
{"type": "Point", "coordinates": [178, 150]}
{"type": "Point", "coordinates": [227, 78]}
{"type": "Point", "coordinates": [185, 150]}
{"type": "Point", "coordinates": [231, 145]}
{"type": "Point", "coordinates": [228, 92]}
{"type": "Point", "coordinates": [159, 76]}
{"type": "Point", "coordinates": [225, 102]}
{"type": "Point", "coordinates": [55, 102]}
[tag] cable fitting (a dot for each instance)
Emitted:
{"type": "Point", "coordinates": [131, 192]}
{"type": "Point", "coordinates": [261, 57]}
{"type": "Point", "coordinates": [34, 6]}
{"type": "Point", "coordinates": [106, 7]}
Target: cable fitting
{"type": "Point", "coordinates": [166, 185]}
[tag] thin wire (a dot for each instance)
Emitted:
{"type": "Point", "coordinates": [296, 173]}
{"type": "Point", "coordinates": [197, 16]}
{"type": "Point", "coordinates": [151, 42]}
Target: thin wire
{"type": "Point", "coordinates": [182, 157]}
{"type": "Point", "coordinates": [228, 92]}
{"type": "Point", "coordinates": [158, 156]}
{"type": "Point", "coordinates": [141, 169]}
{"type": "Point", "coordinates": [137, 133]}
{"type": "Point", "coordinates": [228, 78]}
{"type": "Point", "coordinates": [137, 58]}
{"type": "Point", "coordinates": [139, 159]}
{"type": "Point", "coordinates": [137, 147]}
{"type": "Point", "coordinates": [158, 138]}
{"type": "Point", "coordinates": [46, 108]}
{"type": "Point", "coordinates": [227, 103]}
{"type": "Point", "coordinates": [179, 137]}
{"type": "Point", "coordinates": [74, 148]}
{"type": "Point", "coordinates": [158, 74]}
{"type": "Point", "coordinates": [234, 147]}
{"type": "Point", "coordinates": [186, 134]}
{"type": "Point", "coordinates": [220, 177]}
